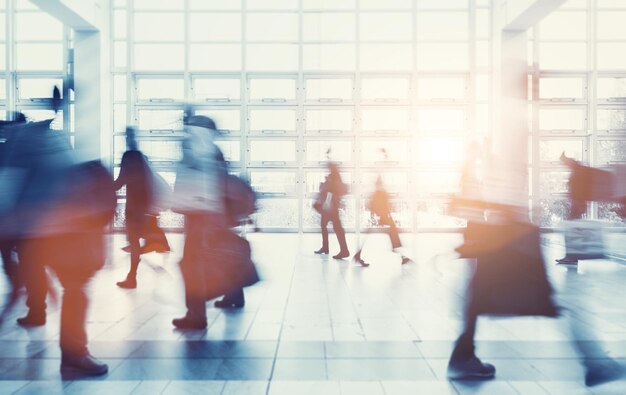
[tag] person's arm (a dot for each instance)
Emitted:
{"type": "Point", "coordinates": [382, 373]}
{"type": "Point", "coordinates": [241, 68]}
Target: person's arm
{"type": "Point", "coordinates": [122, 177]}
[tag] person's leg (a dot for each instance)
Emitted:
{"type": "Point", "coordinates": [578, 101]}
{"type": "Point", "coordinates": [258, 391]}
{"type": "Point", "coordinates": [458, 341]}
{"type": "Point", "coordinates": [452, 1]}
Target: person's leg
{"type": "Point", "coordinates": [463, 363]}
{"type": "Point", "coordinates": [191, 266]}
{"type": "Point", "coordinates": [341, 235]}
{"type": "Point", "coordinates": [394, 237]}
{"type": "Point", "coordinates": [75, 357]}
{"type": "Point", "coordinates": [133, 231]}
{"type": "Point", "coordinates": [324, 225]}
{"type": "Point", "coordinates": [154, 235]}
{"type": "Point", "coordinates": [33, 274]}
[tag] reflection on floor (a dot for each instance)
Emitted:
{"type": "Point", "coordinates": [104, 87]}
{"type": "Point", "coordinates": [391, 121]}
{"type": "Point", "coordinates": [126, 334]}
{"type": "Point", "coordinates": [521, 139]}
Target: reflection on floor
{"type": "Point", "coordinates": [316, 325]}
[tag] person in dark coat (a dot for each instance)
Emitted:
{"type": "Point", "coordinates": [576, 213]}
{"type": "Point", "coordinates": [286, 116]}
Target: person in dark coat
{"type": "Point", "coordinates": [136, 174]}
{"type": "Point", "coordinates": [61, 215]}
{"type": "Point", "coordinates": [331, 194]}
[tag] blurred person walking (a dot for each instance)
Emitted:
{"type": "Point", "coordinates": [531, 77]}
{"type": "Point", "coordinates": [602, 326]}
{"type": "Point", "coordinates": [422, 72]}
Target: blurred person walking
{"type": "Point", "coordinates": [141, 219]}
{"type": "Point", "coordinates": [328, 204]}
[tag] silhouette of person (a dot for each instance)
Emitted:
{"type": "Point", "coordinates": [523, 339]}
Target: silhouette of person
{"type": "Point", "coordinates": [331, 194]}
{"type": "Point", "coordinates": [200, 197]}
{"type": "Point", "coordinates": [62, 212]}
{"type": "Point", "coordinates": [380, 206]}
{"type": "Point", "coordinates": [136, 174]}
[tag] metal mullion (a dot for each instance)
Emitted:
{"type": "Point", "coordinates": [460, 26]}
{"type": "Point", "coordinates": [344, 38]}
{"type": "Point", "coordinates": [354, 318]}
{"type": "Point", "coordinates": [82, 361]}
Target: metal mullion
{"type": "Point", "coordinates": [356, 122]}
{"type": "Point", "coordinates": [413, 120]}
{"type": "Point", "coordinates": [243, 95]}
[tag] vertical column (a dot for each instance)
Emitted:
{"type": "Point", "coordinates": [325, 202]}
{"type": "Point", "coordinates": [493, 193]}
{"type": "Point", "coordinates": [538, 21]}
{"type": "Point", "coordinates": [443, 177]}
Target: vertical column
{"type": "Point", "coordinates": [508, 181]}
{"type": "Point", "coordinates": [93, 91]}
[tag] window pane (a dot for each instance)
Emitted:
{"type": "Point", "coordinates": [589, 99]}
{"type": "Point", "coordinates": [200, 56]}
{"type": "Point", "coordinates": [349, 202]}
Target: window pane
{"type": "Point", "coordinates": [311, 218]}
{"type": "Point", "coordinates": [552, 212]}
{"type": "Point", "coordinates": [609, 56]}
{"type": "Point", "coordinates": [434, 214]}
{"type": "Point", "coordinates": [551, 182]}
{"type": "Point", "coordinates": [567, 25]}
{"type": "Point", "coordinates": [38, 88]}
{"type": "Point", "coordinates": [225, 120]}
{"type": "Point", "coordinates": [161, 150]}
{"type": "Point", "coordinates": [273, 121]}
{"type": "Point", "coordinates": [119, 54]}
{"type": "Point", "coordinates": [3, 61]}
{"type": "Point", "coordinates": [329, 57]}
{"type": "Point", "coordinates": [436, 182]}
{"type": "Point", "coordinates": [119, 118]}
{"type": "Point", "coordinates": [159, 26]}
{"type": "Point", "coordinates": [272, 27]}
{"type": "Point", "coordinates": [438, 57]}
{"type": "Point", "coordinates": [159, 56]}
{"type": "Point", "coordinates": [397, 151]}
{"type": "Point", "coordinates": [377, 57]}
{"type": "Point", "coordinates": [483, 23]}
{"type": "Point", "coordinates": [563, 56]}
{"type": "Point", "coordinates": [320, 151]}
{"type": "Point", "coordinates": [386, 5]}
{"type": "Point", "coordinates": [171, 220]}
{"type": "Point", "coordinates": [231, 149]}
{"type": "Point", "coordinates": [483, 87]}
{"type": "Point", "coordinates": [159, 4]}
{"type": "Point", "coordinates": [272, 57]}
{"type": "Point", "coordinates": [328, 27]}
{"type": "Point", "coordinates": [441, 120]}
{"type": "Point", "coordinates": [438, 4]}
{"type": "Point", "coordinates": [394, 182]}
{"type": "Point", "coordinates": [272, 151]}
{"type": "Point", "coordinates": [483, 55]}
{"type": "Point", "coordinates": [561, 119]}
{"type": "Point", "coordinates": [328, 121]}
{"type": "Point", "coordinates": [47, 27]}
{"type": "Point", "coordinates": [611, 88]}
{"type": "Point", "coordinates": [272, 90]}
{"type": "Point", "coordinates": [551, 150]}
{"type": "Point", "coordinates": [3, 92]}
{"type": "Point", "coordinates": [119, 87]}
{"type": "Point", "coordinates": [223, 57]}
{"type": "Point", "coordinates": [385, 26]}
{"type": "Point", "coordinates": [216, 89]}
{"type": "Point", "coordinates": [119, 24]}
{"type": "Point", "coordinates": [611, 4]}
{"type": "Point", "coordinates": [611, 25]}
{"type": "Point", "coordinates": [273, 182]}
{"type": "Point", "coordinates": [441, 151]}
{"type": "Point", "coordinates": [160, 119]}
{"type": "Point", "coordinates": [385, 89]}
{"type": "Point", "coordinates": [561, 88]}
{"type": "Point", "coordinates": [610, 151]}
{"type": "Point", "coordinates": [611, 119]}
{"type": "Point", "coordinates": [332, 90]}
{"type": "Point", "coordinates": [214, 5]}
{"type": "Point", "coordinates": [272, 4]}
{"type": "Point", "coordinates": [277, 213]}
{"type": "Point", "coordinates": [442, 26]}
{"type": "Point", "coordinates": [39, 56]}
{"type": "Point", "coordinates": [214, 27]}
{"type": "Point", "coordinates": [384, 120]}
{"type": "Point", "coordinates": [441, 88]}
{"type": "Point", "coordinates": [160, 89]}
{"type": "Point", "coordinates": [328, 4]}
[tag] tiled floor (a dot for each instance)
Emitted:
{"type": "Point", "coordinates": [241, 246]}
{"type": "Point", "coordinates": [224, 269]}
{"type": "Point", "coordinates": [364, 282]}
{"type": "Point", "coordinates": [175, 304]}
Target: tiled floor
{"type": "Point", "coordinates": [319, 326]}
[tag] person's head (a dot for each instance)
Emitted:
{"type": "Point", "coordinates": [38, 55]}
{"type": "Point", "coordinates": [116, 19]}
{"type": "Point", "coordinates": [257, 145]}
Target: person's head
{"type": "Point", "coordinates": [131, 141]}
{"type": "Point", "coordinates": [200, 121]}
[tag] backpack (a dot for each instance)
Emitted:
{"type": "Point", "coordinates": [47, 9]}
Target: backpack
{"type": "Point", "coordinates": [240, 200]}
